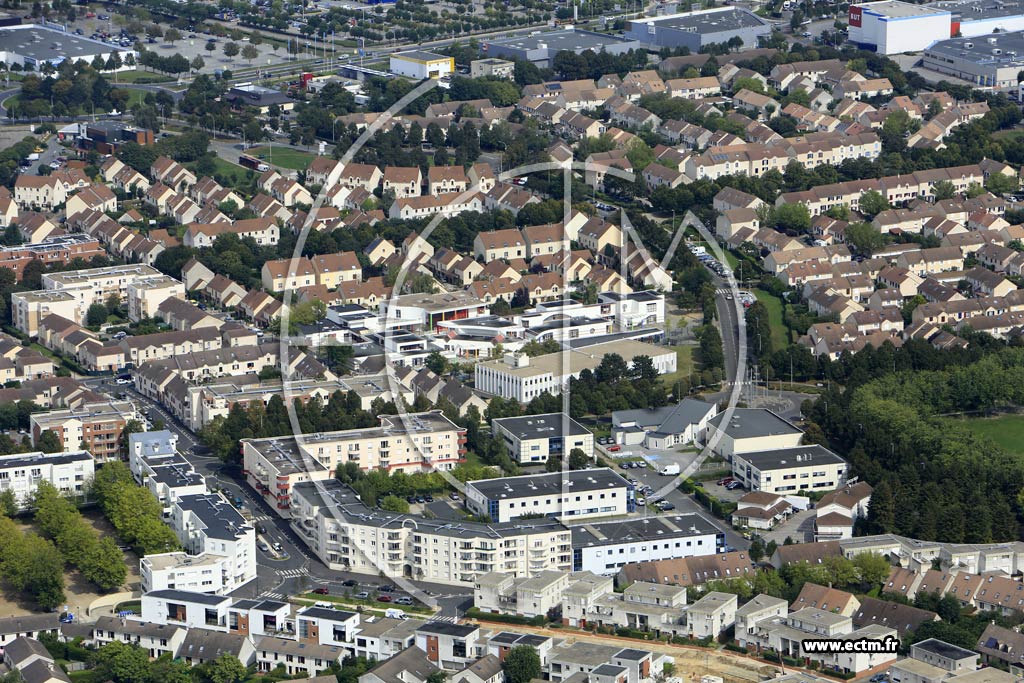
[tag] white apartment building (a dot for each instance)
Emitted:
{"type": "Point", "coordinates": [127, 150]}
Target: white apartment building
{"type": "Point", "coordinates": [785, 471]}
{"type": "Point", "coordinates": [417, 442]}
{"type": "Point", "coordinates": [94, 285]}
{"type": "Point", "coordinates": [204, 573]}
{"type": "Point", "coordinates": [346, 535]}
{"type": "Point", "coordinates": [501, 593]}
{"type": "Point", "coordinates": [712, 614]}
{"type": "Point", "coordinates": [533, 439]}
{"type": "Point", "coordinates": [69, 472]}
{"type": "Point", "coordinates": [146, 294]}
{"type": "Point", "coordinates": [635, 309]}
{"type": "Point", "coordinates": [579, 494]}
{"type": "Point", "coordinates": [143, 446]}
{"type": "Point", "coordinates": [186, 608]}
{"type": "Point", "coordinates": [208, 525]}
{"type": "Point", "coordinates": [522, 378]}
{"type": "Point", "coordinates": [385, 637]}
{"type": "Point", "coordinates": [29, 308]}
{"type": "Point", "coordinates": [605, 548]}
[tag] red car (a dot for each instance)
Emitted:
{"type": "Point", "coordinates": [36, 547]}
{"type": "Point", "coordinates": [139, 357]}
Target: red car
{"type": "Point", "coordinates": [384, 598]}
{"type": "Point", "coordinates": [614, 449]}
{"type": "Point", "coordinates": [321, 591]}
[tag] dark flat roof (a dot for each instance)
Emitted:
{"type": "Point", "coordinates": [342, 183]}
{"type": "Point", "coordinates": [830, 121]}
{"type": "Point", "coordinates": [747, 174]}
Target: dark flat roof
{"type": "Point", "coordinates": [189, 596]}
{"type": "Point", "coordinates": [749, 423]}
{"type": "Point", "coordinates": [944, 649]}
{"type": "Point", "coordinates": [530, 485]}
{"type": "Point", "coordinates": [445, 629]}
{"type": "Point", "coordinates": [786, 458]}
{"type": "Point", "coordinates": [541, 426]}
{"type": "Point", "coordinates": [643, 529]}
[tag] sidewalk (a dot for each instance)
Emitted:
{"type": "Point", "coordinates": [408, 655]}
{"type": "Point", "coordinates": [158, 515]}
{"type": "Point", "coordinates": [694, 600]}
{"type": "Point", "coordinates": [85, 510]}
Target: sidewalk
{"type": "Point", "coordinates": [105, 605]}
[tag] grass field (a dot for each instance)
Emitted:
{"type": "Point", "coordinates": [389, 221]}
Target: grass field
{"type": "Point", "coordinates": [1007, 430]}
{"type": "Point", "coordinates": [780, 335]}
{"type": "Point", "coordinates": [285, 157]}
{"type": "Point", "coordinates": [140, 77]}
{"type": "Point", "coordinates": [684, 364]}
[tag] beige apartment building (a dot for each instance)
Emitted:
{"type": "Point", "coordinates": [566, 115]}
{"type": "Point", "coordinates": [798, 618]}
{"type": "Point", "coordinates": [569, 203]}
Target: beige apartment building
{"type": "Point", "coordinates": [146, 295]}
{"type": "Point", "coordinates": [29, 308]}
{"type": "Point", "coordinates": [416, 442]}
{"type": "Point", "coordinates": [347, 535]}
{"type": "Point", "coordinates": [96, 427]}
{"type": "Point", "coordinates": [94, 285]}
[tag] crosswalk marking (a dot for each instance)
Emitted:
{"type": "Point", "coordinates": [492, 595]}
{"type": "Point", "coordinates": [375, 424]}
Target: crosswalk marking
{"type": "Point", "coordinates": [446, 619]}
{"type": "Point", "coordinates": [260, 518]}
{"type": "Point", "coordinates": [273, 595]}
{"type": "Point", "coordinates": [291, 573]}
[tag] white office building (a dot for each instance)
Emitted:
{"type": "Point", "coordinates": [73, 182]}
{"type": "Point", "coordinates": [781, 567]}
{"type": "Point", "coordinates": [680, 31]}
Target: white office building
{"type": "Point", "coordinates": [890, 27]}
{"type": "Point", "coordinates": [532, 439]}
{"type": "Point", "coordinates": [786, 471]}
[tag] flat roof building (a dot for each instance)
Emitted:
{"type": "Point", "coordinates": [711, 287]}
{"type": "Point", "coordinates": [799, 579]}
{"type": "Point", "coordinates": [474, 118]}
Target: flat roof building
{"type": "Point", "coordinates": [533, 439]}
{"type": "Point", "coordinates": [605, 548]}
{"type": "Point", "coordinates": [789, 470]}
{"type": "Point", "coordinates": [991, 61]}
{"type": "Point", "coordinates": [542, 47]}
{"type": "Point", "coordinates": [973, 18]}
{"type": "Point", "coordinates": [420, 64]}
{"type": "Point", "coordinates": [745, 430]}
{"type": "Point", "coordinates": [890, 26]}
{"type": "Point", "coordinates": [37, 45]}
{"type": "Point", "coordinates": [577, 494]}
{"type": "Point", "coordinates": [697, 30]}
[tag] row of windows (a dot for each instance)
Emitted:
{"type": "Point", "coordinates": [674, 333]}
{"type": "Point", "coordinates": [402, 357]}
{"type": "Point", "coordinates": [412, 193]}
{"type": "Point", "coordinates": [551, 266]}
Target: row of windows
{"type": "Point", "coordinates": [655, 546]}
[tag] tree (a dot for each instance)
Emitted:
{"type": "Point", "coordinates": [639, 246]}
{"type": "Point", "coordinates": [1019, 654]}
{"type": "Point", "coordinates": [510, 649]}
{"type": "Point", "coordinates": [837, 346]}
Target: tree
{"type": "Point", "coordinates": [231, 49]}
{"type": "Point", "coordinates": [103, 564]}
{"type": "Point", "coordinates": [113, 303]}
{"type": "Point", "coordinates": [793, 217]}
{"type": "Point", "coordinates": [122, 663]}
{"type": "Point", "coordinates": [873, 203]}
{"type": "Point", "coordinates": [198, 63]}
{"type": "Point", "coordinates": [210, 46]}
{"type": "Point", "coordinates": [864, 238]}
{"type": "Point", "coordinates": [249, 52]}
{"type": "Point", "coordinates": [522, 663]}
{"type": "Point", "coordinates": [394, 504]}
{"type": "Point", "coordinates": [578, 460]}
{"type": "Point", "coordinates": [756, 551]}
{"type": "Point", "coordinates": [874, 568]}
{"type": "Point", "coordinates": [226, 669]}
{"type": "Point", "coordinates": [436, 363]}
{"type": "Point", "coordinates": [172, 35]}
{"type": "Point", "coordinates": [8, 503]}
{"type": "Point", "coordinates": [96, 315]}
{"type": "Point", "coordinates": [943, 190]}
{"type": "Point", "coordinates": [882, 509]}
{"type": "Point", "coordinates": [49, 442]}
{"type": "Point", "coordinates": [1000, 184]}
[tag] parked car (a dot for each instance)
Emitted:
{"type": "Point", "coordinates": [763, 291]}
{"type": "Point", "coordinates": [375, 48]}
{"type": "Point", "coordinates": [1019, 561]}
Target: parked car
{"type": "Point", "coordinates": [361, 595]}
{"type": "Point", "coordinates": [453, 495]}
{"type": "Point", "coordinates": [614, 449]}
{"type": "Point", "coordinates": [725, 481]}
{"type": "Point", "coordinates": [429, 498]}
{"type": "Point", "coordinates": [349, 583]}
{"type": "Point", "coordinates": [321, 591]}
{"type": "Point", "coordinates": [386, 589]}
{"type": "Point", "coordinates": [665, 506]}
{"type": "Point", "coordinates": [263, 546]}
{"type": "Point", "coordinates": [278, 547]}
{"type": "Point", "coordinates": [384, 598]}
{"type": "Point", "coordinates": [732, 486]}
{"type": "Point", "coordinates": [403, 601]}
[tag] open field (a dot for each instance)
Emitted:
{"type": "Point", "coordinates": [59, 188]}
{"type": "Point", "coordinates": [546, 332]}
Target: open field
{"type": "Point", "coordinates": [284, 157]}
{"type": "Point", "coordinates": [684, 364]}
{"type": "Point", "coordinates": [1006, 430]}
{"type": "Point", "coordinates": [780, 335]}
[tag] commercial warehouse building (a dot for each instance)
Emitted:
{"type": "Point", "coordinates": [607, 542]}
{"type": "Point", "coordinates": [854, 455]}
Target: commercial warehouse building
{"type": "Point", "coordinates": [419, 64]}
{"type": "Point", "coordinates": [972, 18]}
{"type": "Point", "coordinates": [605, 548]}
{"type": "Point", "coordinates": [541, 48]}
{"type": "Point", "coordinates": [36, 45]}
{"type": "Point", "coordinates": [532, 439]}
{"type": "Point", "coordinates": [891, 27]}
{"type": "Point", "coordinates": [697, 30]}
{"type": "Point", "coordinates": [990, 61]}
{"type": "Point", "coordinates": [578, 494]}
{"type": "Point", "coordinates": [748, 430]}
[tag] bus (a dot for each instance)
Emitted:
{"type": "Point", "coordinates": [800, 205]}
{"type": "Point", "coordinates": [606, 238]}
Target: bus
{"type": "Point", "coordinates": [253, 163]}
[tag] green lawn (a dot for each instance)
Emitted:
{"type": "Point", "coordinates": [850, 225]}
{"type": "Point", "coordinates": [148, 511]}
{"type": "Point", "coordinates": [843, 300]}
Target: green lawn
{"type": "Point", "coordinates": [780, 335]}
{"type": "Point", "coordinates": [285, 157]}
{"type": "Point", "coordinates": [1007, 430]}
{"type": "Point", "coordinates": [1007, 134]}
{"type": "Point", "coordinates": [684, 364]}
{"type": "Point", "coordinates": [143, 77]}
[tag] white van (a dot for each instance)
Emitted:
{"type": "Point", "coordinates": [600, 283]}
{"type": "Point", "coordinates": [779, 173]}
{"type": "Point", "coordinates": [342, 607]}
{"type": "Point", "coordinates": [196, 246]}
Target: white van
{"type": "Point", "coordinates": [395, 614]}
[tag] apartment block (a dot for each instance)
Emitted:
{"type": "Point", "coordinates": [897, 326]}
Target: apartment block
{"type": "Point", "coordinates": [68, 472]}
{"type": "Point", "coordinates": [416, 442]}
{"type": "Point", "coordinates": [578, 494]}
{"type": "Point", "coordinates": [96, 426]}
{"type": "Point", "coordinates": [346, 535]}
{"type": "Point", "coordinates": [534, 439]}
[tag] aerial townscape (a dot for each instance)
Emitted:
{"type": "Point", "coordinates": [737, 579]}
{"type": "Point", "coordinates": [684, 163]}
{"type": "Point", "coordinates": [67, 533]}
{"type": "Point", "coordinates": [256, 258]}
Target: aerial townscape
{"type": "Point", "coordinates": [466, 341]}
